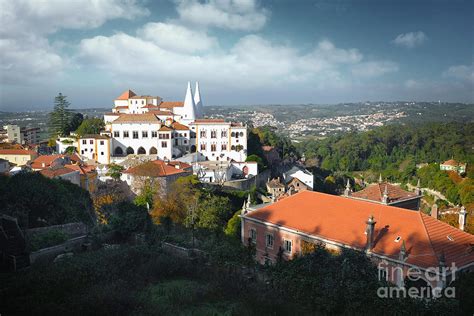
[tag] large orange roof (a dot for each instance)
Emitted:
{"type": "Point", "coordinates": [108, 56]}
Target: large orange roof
{"type": "Point", "coordinates": [136, 118]}
{"type": "Point", "coordinates": [343, 220]}
{"type": "Point", "coordinates": [52, 173]}
{"type": "Point", "coordinates": [159, 168]}
{"type": "Point", "coordinates": [179, 126]}
{"type": "Point", "coordinates": [47, 160]}
{"type": "Point", "coordinates": [171, 104]}
{"type": "Point", "coordinates": [375, 193]}
{"type": "Point", "coordinates": [126, 95]}
{"type": "Point", "coordinates": [17, 152]}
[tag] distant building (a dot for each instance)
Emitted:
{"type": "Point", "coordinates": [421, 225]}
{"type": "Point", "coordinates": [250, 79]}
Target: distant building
{"type": "Point", "coordinates": [387, 194]}
{"type": "Point", "coordinates": [31, 136]}
{"type": "Point", "coordinates": [453, 165]}
{"type": "Point", "coordinates": [48, 161]}
{"type": "Point", "coordinates": [95, 147]}
{"type": "Point", "coordinates": [21, 135]}
{"type": "Point", "coordinates": [392, 237]}
{"type": "Point", "coordinates": [4, 166]}
{"type": "Point", "coordinates": [162, 173]}
{"type": "Point", "coordinates": [224, 171]}
{"type": "Point", "coordinates": [63, 173]}
{"type": "Point", "coordinates": [14, 134]}
{"type": "Point", "coordinates": [275, 188]}
{"type": "Point", "coordinates": [301, 174]}
{"type": "Point", "coordinates": [18, 157]}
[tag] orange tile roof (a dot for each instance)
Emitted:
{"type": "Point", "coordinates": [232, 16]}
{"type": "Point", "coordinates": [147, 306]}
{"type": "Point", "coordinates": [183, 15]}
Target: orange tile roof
{"type": "Point", "coordinates": [159, 168]}
{"type": "Point", "coordinates": [179, 126]}
{"type": "Point", "coordinates": [47, 160]}
{"type": "Point", "coordinates": [171, 104]}
{"type": "Point", "coordinates": [17, 152]}
{"type": "Point", "coordinates": [160, 112]}
{"type": "Point", "coordinates": [52, 173]}
{"type": "Point", "coordinates": [452, 162]}
{"type": "Point", "coordinates": [122, 107]}
{"type": "Point", "coordinates": [343, 220]}
{"type": "Point", "coordinates": [84, 169]}
{"type": "Point", "coordinates": [150, 106]}
{"type": "Point", "coordinates": [165, 128]}
{"type": "Point", "coordinates": [126, 95]}
{"type": "Point", "coordinates": [134, 118]}
{"type": "Point", "coordinates": [375, 193]}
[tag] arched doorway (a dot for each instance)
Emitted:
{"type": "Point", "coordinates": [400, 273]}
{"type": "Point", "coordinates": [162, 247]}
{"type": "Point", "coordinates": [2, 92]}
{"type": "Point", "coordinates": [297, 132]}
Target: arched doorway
{"type": "Point", "coordinates": [153, 151]}
{"type": "Point", "coordinates": [141, 151]}
{"type": "Point", "coordinates": [118, 151]}
{"type": "Point", "coordinates": [130, 151]}
{"type": "Point", "coordinates": [193, 148]}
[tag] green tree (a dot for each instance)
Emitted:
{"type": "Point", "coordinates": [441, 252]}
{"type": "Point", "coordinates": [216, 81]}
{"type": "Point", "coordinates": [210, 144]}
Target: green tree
{"type": "Point", "coordinates": [233, 226]}
{"type": "Point", "coordinates": [59, 118]}
{"type": "Point", "coordinates": [75, 122]}
{"type": "Point", "coordinates": [129, 218]}
{"type": "Point", "coordinates": [258, 160]}
{"type": "Point", "coordinates": [115, 171]}
{"type": "Point", "coordinates": [90, 126]}
{"type": "Point", "coordinates": [212, 213]}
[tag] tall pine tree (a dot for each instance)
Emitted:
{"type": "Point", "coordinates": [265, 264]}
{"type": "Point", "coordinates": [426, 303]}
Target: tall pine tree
{"type": "Point", "coordinates": [60, 117]}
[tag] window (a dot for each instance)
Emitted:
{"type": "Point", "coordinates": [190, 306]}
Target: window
{"type": "Point", "coordinates": [160, 136]}
{"type": "Point", "coordinates": [125, 134]}
{"type": "Point", "coordinates": [232, 147]}
{"type": "Point", "coordinates": [84, 142]}
{"type": "Point", "coordinates": [185, 141]}
{"type": "Point", "coordinates": [164, 144]}
{"type": "Point", "coordinates": [213, 147]}
{"type": "Point", "coordinates": [144, 134]}
{"type": "Point", "coordinates": [232, 134]}
{"type": "Point", "coordinates": [101, 153]}
{"type": "Point", "coordinates": [224, 133]}
{"type": "Point", "coordinates": [202, 134]}
{"type": "Point", "coordinates": [91, 142]}
{"type": "Point", "coordinates": [82, 152]}
{"type": "Point", "coordinates": [269, 241]}
{"type": "Point", "coordinates": [203, 146]}
{"type": "Point", "coordinates": [224, 147]}
{"type": "Point", "coordinates": [154, 134]}
{"type": "Point", "coordinates": [253, 235]}
{"type": "Point", "coordinates": [116, 134]}
{"type": "Point", "coordinates": [101, 142]}
{"type": "Point", "coordinates": [241, 134]}
{"type": "Point", "coordinates": [135, 134]}
{"type": "Point", "coordinates": [213, 134]}
{"type": "Point", "coordinates": [287, 244]}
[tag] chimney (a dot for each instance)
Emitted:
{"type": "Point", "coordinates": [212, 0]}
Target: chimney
{"type": "Point", "coordinates": [418, 188]}
{"type": "Point", "coordinates": [403, 252]}
{"type": "Point", "coordinates": [380, 178]}
{"type": "Point", "coordinates": [347, 191]}
{"type": "Point", "coordinates": [462, 218]}
{"type": "Point", "coordinates": [370, 232]}
{"type": "Point", "coordinates": [434, 211]}
{"type": "Point", "coordinates": [385, 196]}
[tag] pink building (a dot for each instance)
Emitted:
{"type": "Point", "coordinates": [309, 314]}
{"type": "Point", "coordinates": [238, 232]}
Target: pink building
{"type": "Point", "coordinates": [396, 238]}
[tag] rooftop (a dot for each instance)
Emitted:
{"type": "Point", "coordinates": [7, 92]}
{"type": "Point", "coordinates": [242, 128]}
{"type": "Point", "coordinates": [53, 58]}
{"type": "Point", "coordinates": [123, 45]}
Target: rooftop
{"type": "Point", "coordinates": [137, 118]}
{"type": "Point", "coordinates": [17, 152]}
{"type": "Point", "coordinates": [375, 193]}
{"type": "Point", "coordinates": [343, 221]}
{"type": "Point", "coordinates": [159, 168]}
{"type": "Point", "coordinates": [126, 95]}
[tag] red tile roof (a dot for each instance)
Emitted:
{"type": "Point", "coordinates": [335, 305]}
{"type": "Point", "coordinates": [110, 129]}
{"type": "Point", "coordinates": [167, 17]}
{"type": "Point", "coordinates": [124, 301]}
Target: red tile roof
{"type": "Point", "coordinates": [136, 118]}
{"type": "Point", "coordinates": [56, 172]}
{"type": "Point", "coordinates": [171, 104]}
{"type": "Point", "coordinates": [375, 193]}
{"type": "Point", "coordinates": [126, 95]}
{"type": "Point", "coordinates": [44, 161]}
{"type": "Point", "coordinates": [165, 128]}
{"type": "Point", "coordinates": [17, 152]}
{"type": "Point", "coordinates": [159, 168]}
{"type": "Point", "coordinates": [150, 106]}
{"type": "Point", "coordinates": [179, 126]}
{"type": "Point", "coordinates": [84, 169]}
{"type": "Point", "coordinates": [343, 220]}
{"type": "Point", "coordinates": [453, 163]}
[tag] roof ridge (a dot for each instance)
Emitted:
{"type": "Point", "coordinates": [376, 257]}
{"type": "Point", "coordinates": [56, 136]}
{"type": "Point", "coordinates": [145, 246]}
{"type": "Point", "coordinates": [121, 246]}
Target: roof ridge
{"type": "Point", "coordinates": [428, 234]}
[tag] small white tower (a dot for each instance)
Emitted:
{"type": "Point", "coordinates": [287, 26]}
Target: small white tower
{"type": "Point", "coordinates": [462, 218]}
{"type": "Point", "coordinates": [198, 101]}
{"type": "Point", "coordinates": [188, 112]}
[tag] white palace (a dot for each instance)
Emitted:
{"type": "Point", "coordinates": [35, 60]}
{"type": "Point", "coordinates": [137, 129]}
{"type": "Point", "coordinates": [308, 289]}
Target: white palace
{"type": "Point", "coordinates": [147, 125]}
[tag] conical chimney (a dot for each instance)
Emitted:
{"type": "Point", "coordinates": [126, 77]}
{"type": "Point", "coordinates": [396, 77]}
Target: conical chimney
{"type": "Point", "coordinates": [198, 101]}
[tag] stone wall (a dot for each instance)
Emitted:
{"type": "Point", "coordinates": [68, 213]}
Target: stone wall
{"type": "Point", "coordinates": [71, 229]}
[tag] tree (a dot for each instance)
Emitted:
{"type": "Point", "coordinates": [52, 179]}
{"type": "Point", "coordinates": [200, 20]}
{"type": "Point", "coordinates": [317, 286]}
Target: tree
{"type": "Point", "coordinates": [233, 226]}
{"type": "Point", "coordinates": [90, 126]}
{"type": "Point", "coordinates": [129, 218]}
{"type": "Point", "coordinates": [59, 118]}
{"type": "Point", "coordinates": [115, 171]}
{"type": "Point", "coordinates": [212, 213]}
{"type": "Point", "coordinates": [70, 150]}
{"type": "Point", "coordinates": [257, 159]}
{"type": "Point", "coordinates": [75, 122]}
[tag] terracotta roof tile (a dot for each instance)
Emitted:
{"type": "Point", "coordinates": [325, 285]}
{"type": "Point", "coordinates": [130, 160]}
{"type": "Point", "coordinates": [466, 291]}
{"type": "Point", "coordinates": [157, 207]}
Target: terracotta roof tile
{"type": "Point", "coordinates": [159, 168]}
{"type": "Point", "coordinates": [126, 95]}
{"type": "Point", "coordinates": [343, 220]}
{"type": "Point", "coordinates": [136, 118]}
{"type": "Point", "coordinates": [44, 161]}
{"type": "Point", "coordinates": [375, 193]}
{"type": "Point", "coordinates": [171, 104]}
{"type": "Point", "coordinates": [179, 126]}
{"type": "Point", "coordinates": [56, 172]}
{"type": "Point", "coordinates": [17, 152]}
{"type": "Point", "coordinates": [165, 128]}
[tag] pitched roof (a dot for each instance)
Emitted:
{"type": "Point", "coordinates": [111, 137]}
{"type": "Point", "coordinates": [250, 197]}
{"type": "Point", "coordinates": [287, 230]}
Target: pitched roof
{"type": "Point", "coordinates": [275, 183]}
{"type": "Point", "coordinates": [95, 136]}
{"type": "Point", "coordinates": [83, 169]}
{"type": "Point", "coordinates": [171, 104]}
{"type": "Point", "coordinates": [136, 118]}
{"type": "Point", "coordinates": [159, 168]}
{"type": "Point", "coordinates": [375, 193]}
{"type": "Point", "coordinates": [17, 152]}
{"type": "Point", "coordinates": [126, 95]}
{"type": "Point", "coordinates": [44, 161]}
{"type": "Point", "coordinates": [452, 162]}
{"type": "Point", "coordinates": [343, 220]}
{"type": "Point", "coordinates": [56, 172]}
{"type": "Point", "coordinates": [179, 126]}
{"type": "Point", "coordinates": [165, 128]}
{"type": "Point", "coordinates": [210, 121]}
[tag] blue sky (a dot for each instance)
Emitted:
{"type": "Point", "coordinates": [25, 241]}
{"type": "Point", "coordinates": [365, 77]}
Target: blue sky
{"type": "Point", "coordinates": [241, 51]}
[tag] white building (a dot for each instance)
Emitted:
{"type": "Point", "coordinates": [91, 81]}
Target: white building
{"type": "Point", "coordinates": [147, 125]}
{"type": "Point", "coordinates": [301, 174]}
{"type": "Point", "coordinates": [14, 134]}
{"type": "Point", "coordinates": [223, 171]}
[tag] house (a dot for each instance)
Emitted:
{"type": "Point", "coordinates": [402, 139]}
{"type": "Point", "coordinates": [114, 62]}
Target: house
{"type": "Point", "coordinates": [87, 176]}
{"type": "Point", "coordinates": [453, 165]}
{"type": "Point", "coordinates": [275, 188]}
{"type": "Point", "coordinates": [95, 147]}
{"type": "Point", "coordinates": [301, 174]}
{"type": "Point", "coordinates": [296, 185]}
{"type": "Point", "coordinates": [61, 172]}
{"type": "Point", "coordinates": [387, 194]}
{"type": "Point", "coordinates": [19, 157]}
{"type": "Point", "coordinates": [394, 238]}
{"type": "Point", "coordinates": [224, 171]}
{"type": "Point", "coordinates": [47, 161]}
{"type": "Point", "coordinates": [160, 172]}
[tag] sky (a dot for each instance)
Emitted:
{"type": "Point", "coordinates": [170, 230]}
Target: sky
{"type": "Point", "coordinates": [242, 52]}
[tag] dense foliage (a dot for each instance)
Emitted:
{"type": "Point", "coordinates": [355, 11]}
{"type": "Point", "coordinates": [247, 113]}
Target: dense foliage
{"type": "Point", "coordinates": [62, 120]}
{"type": "Point", "coordinates": [393, 150]}
{"type": "Point", "coordinates": [39, 201]}
{"type": "Point", "coordinates": [90, 126]}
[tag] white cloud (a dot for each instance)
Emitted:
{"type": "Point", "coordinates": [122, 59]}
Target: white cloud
{"type": "Point", "coordinates": [461, 72]}
{"type": "Point", "coordinates": [411, 39]}
{"type": "Point", "coordinates": [177, 38]}
{"type": "Point", "coordinates": [374, 68]}
{"type": "Point", "coordinates": [242, 15]}
{"type": "Point", "coordinates": [26, 54]}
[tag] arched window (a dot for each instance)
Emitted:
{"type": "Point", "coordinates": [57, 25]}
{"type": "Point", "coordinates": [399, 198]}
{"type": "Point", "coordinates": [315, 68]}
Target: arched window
{"type": "Point", "coordinates": [153, 151]}
{"type": "Point", "coordinates": [193, 148]}
{"type": "Point", "coordinates": [232, 147]}
{"type": "Point", "coordinates": [241, 134]}
{"type": "Point", "coordinates": [141, 151]}
{"type": "Point", "coordinates": [130, 151]}
{"type": "Point", "coordinates": [118, 151]}
{"type": "Point", "coordinates": [232, 134]}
